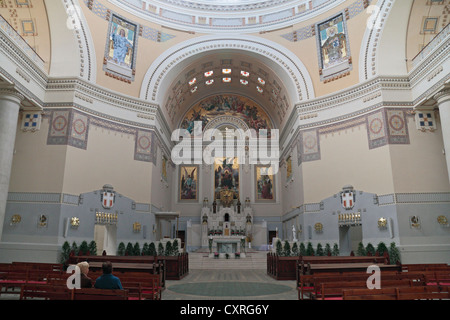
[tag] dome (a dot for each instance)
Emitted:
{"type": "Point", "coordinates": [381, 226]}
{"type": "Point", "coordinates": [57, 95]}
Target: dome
{"type": "Point", "coordinates": [223, 16]}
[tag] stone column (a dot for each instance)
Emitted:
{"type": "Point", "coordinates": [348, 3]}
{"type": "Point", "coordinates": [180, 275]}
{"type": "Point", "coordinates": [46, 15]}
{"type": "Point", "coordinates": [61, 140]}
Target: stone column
{"type": "Point", "coordinates": [9, 114]}
{"type": "Point", "coordinates": [443, 100]}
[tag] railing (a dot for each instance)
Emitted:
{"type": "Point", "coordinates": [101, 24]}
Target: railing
{"type": "Point", "coordinates": [12, 34]}
{"type": "Point", "coordinates": [436, 41]}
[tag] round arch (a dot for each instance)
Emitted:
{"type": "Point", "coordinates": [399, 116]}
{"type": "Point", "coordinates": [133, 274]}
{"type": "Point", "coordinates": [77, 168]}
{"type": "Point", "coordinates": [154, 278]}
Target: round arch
{"type": "Point", "coordinates": [286, 64]}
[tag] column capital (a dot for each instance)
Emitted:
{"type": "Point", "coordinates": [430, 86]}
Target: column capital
{"type": "Point", "coordinates": [442, 96]}
{"type": "Point", "coordinates": [11, 94]}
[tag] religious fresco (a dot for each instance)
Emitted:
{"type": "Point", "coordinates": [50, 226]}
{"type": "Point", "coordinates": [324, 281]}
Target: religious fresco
{"type": "Point", "coordinates": [188, 183]}
{"type": "Point", "coordinates": [265, 184]}
{"type": "Point", "coordinates": [333, 42]}
{"type": "Point", "coordinates": [120, 53]}
{"type": "Point", "coordinates": [226, 176]}
{"type": "Point", "coordinates": [227, 105]}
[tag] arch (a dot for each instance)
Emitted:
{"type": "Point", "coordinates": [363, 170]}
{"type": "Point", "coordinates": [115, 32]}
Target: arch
{"type": "Point", "coordinates": [286, 64]}
{"type": "Point", "coordinates": [385, 33]}
{"type": "Point", "coordinates": [72, 51]}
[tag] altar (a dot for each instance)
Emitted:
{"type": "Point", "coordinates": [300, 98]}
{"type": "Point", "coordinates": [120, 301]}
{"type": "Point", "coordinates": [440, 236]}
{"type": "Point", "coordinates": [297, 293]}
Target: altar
{"type": "Point", "coordinates": [227, 245]}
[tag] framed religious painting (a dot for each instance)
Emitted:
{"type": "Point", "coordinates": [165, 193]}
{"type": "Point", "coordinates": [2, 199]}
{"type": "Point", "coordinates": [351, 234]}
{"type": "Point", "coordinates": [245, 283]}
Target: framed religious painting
{"type": "Point", "coordinates": [264, 184]}
{"type": "Point", "coordinates": [121, 48]}
{"type": "Point", "coordinates": [164, 168]}
{"type": "Point", "coordinates": [333, 47]}
{"type": "Point", "coordinates": [188, 183]}
{"type": "Point", "coordinates": [226, 176]}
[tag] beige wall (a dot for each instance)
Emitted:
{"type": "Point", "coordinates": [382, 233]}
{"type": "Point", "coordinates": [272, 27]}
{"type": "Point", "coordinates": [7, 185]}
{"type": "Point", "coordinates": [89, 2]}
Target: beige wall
{"type": "Point", "coordinates": [347, 160]}
{"type": "Point", "coordinates": [420, 166]}
{"type": "Point", "coordinates": [36, 166]}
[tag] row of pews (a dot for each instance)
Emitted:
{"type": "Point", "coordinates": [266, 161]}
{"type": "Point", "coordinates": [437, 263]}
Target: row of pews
{"type": "Point", "coordinates": [348, 278]}
{"type": "Point", "coordinates": [48, 281]}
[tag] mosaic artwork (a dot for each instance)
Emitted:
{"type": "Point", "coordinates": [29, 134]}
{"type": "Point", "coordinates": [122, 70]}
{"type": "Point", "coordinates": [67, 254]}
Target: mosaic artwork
{"type": "Point", "coordinates": [188, 183]}
{"type": "Point", "coordinates": [265, 184]}
{"type": "Point", "coordinates": [227, 105]}
{"type": "Point", "coordinates": [120, 53]}
{"type": "Point", "coordinates": [145, 146]}
{"type": "Point", "coordinates": [333, 42]}
{"type": "Point", "coordinates": [308, 146]}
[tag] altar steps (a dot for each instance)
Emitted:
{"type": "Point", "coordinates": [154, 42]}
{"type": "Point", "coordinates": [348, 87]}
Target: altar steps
{"type": "Point", "coordinates": [256, 260]}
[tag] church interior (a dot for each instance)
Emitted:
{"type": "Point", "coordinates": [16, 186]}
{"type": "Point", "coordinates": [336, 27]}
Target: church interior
{"type": "Point", "coordinates": [106, 107]}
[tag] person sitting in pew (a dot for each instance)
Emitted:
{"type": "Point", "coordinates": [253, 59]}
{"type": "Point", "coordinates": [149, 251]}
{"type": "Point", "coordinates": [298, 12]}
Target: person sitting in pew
{"type": "Point", "coordinates": [107, 280]}
{"type": "Point", "coordinates": [86, 282]}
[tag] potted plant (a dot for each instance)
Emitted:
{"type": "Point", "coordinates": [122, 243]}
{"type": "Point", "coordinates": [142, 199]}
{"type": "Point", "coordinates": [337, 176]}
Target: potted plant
{"type": "Point", "coordinates": [335, 251]}
{"type": "Point", "coordinates": [121, 249]}
{"type": "Point", "coordinates": [394, 254]}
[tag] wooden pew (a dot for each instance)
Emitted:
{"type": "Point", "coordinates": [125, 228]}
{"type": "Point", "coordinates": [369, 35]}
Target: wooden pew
{"type": "Point", "coordinates": [99, 294]}
{"type": "Point", "coordinates": [334, 290]}
{"type": "Point", "coordinates": [308, 282]}
{"type": "Point", "coordinates": [426, 267]}
{"type": "Point", "coordinates": [44, 291]}
{"type": "Point", "coordinates": [399, 293]}
{"type": "Point", "coordinates": [143, 289]}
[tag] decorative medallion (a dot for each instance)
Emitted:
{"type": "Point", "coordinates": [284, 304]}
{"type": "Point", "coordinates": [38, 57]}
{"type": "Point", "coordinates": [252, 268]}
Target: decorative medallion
{"type": "Point", "coordinates": [348, 198]}
{"type": "Point", "coordinates": [414, 222]}
{"type": "Point", "coordinates": [15, 219]}
{"type": "Point", "coordinates": [42, 221]}
{"type": "Point", "coordinates": [107, 197]}
{"type": "Point", "coordinates": [318, 227]}
{"type": "Point", "coordinates": [442, 220]}
{"type": "Point", "coordinates": [382, 223]}
{"type": "Point", "coordinates": [74, 222]}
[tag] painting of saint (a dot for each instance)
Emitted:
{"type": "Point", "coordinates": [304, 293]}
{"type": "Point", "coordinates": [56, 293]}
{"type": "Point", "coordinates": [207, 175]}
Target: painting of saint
{"type": "Point", "coordinates": [265, 184]}
{"type": "Point", "coordinates": [288, 168]}
{"type": "Point", "coordinates": [121, 42]}
{"type": "Point", "coordinates": [188, 183]}
{"type": "Point", "coordinates": [333, 42]}
{"type": "Point", "coordinates": [226, 175]}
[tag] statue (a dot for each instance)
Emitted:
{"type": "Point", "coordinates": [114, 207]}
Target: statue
{"type": "Point", "coordinates": [226, 197]}
{"type": "Point", "coordinates": [294, 233]}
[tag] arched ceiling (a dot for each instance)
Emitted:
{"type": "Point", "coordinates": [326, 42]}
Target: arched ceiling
{"type": "Point", "coordinates": [227, 71]}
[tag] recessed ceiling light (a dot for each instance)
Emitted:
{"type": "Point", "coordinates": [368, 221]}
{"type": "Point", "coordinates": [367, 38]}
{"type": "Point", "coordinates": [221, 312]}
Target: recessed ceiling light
{"type": "Point", "coordinates": [260, 90]}
{"type": "Point", "coordinates": [245, 73]}
{"type": "Point", "coordinates": [209, 82]}
{"type": "Point", "coordinates": [244, 82]}
{"type": "Point", "coordinates": [194, 80]}
{"type": "Point", "coordinates": [209, 73]}
{"type": "Point", "coordinates": [226, 71]}
{"type": "Point", "coordinates": [226, 79]}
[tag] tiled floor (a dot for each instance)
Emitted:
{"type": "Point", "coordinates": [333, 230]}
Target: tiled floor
{"type": "Point", "coordinates": [217, 284]}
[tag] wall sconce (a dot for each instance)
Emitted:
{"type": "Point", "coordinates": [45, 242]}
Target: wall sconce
{"type": "Point", "coordinates": [382, 223]}
{"type": "Point", "coordinates": [15, 219]}
{"type": "Point", "coordinates": [74, 222]}
{"type": "Point", "coordinates": [318, 227]}
{"type": "Point", "coordinates": [443, 221]}
{"type": "Point", "coordinates": [136, 227]}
